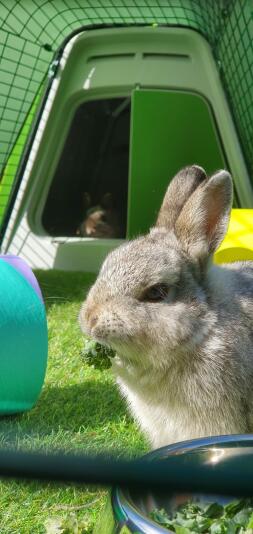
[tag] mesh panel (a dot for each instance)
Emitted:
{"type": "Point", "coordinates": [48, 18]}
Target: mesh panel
{"type": "Point", "coordinates": [32, 30]}
{"type": "Point", "coordinates": [235, 53]}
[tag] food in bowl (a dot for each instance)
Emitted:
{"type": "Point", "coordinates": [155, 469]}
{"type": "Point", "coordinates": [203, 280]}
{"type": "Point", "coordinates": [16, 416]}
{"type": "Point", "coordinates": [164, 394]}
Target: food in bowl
{"type": "Point", "coordinates": [196, 517]}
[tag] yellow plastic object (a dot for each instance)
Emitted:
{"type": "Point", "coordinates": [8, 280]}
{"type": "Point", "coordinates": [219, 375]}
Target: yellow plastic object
{"type": "Point", "coordinates": [238, 242]}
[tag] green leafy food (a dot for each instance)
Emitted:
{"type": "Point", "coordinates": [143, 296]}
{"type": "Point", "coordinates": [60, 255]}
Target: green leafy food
{"type": "Point", "coordinates": [96, 355]}
{"type": "Point", "coordinates": [212, 518]}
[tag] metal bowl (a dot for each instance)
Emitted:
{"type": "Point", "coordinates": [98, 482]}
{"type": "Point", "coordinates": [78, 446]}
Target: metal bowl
{"type": "Point", "coordinates": [131, 510]}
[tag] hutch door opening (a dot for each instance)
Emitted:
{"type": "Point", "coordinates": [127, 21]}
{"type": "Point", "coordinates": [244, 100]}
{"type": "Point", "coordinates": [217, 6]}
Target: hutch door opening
{"type": "Point", "coordinates": [88, 194]}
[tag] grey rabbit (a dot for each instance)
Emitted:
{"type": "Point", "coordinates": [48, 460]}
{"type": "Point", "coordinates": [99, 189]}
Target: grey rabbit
{"type": "Point", "coordinates": [181, 326]}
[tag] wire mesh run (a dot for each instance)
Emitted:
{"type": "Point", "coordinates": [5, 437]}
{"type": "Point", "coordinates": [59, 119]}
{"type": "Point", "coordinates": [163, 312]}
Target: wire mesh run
{"type": "Point", "coordinates": [32, 30]}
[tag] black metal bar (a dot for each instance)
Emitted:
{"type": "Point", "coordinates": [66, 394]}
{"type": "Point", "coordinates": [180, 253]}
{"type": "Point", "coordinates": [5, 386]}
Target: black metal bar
{"type": "Point", "coordinates": [179, 473]}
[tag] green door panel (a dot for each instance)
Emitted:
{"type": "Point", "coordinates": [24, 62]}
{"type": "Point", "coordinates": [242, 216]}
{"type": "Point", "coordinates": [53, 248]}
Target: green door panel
{"type": "Point", "coordinates": [169, 130]}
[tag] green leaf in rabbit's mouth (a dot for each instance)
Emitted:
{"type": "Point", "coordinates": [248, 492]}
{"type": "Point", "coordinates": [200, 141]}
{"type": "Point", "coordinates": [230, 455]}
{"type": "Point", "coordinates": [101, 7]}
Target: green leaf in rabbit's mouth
{"type": "Point", "coordinates": [97, 355]}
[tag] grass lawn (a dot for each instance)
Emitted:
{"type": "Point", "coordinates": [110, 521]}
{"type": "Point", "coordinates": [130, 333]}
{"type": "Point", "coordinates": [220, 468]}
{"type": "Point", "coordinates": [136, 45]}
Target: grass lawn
{"type": "Point", "coordinates": [79, 409]}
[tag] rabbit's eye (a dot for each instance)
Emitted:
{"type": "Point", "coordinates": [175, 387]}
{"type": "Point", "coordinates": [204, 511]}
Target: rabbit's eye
{"type": "Point", "coordinates": [156, 293]}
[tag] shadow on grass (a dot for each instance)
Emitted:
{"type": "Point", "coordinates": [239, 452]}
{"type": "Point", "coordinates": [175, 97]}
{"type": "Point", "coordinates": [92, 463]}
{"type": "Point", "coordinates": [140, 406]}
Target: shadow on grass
{"type": "Point", "coordinates": [81, 405]}
{"type": "Point", "coordinates": [73, 409]}
{"type": "Point", "coordinates": [58, 286]}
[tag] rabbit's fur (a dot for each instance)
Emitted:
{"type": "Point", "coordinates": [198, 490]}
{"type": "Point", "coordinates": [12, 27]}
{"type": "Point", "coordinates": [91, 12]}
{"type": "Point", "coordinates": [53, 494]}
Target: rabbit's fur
{"type": "Point", "coordinates": [181, 327]}
{"type": "Point", "coordinates": [100, 220]}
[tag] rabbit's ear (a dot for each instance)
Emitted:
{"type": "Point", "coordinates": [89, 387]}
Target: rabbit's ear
{"type": "Point", "coordinates": [203, 221]}
{"type": "Point", "coordinates": [178, 192]}
{"type": "Point", "coordinates": [107, 201]}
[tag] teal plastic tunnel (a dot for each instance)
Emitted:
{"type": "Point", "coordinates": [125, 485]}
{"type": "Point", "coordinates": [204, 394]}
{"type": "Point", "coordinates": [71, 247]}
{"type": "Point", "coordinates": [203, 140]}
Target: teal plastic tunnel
{"type": "Point", "coordinates": [23, 336]}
